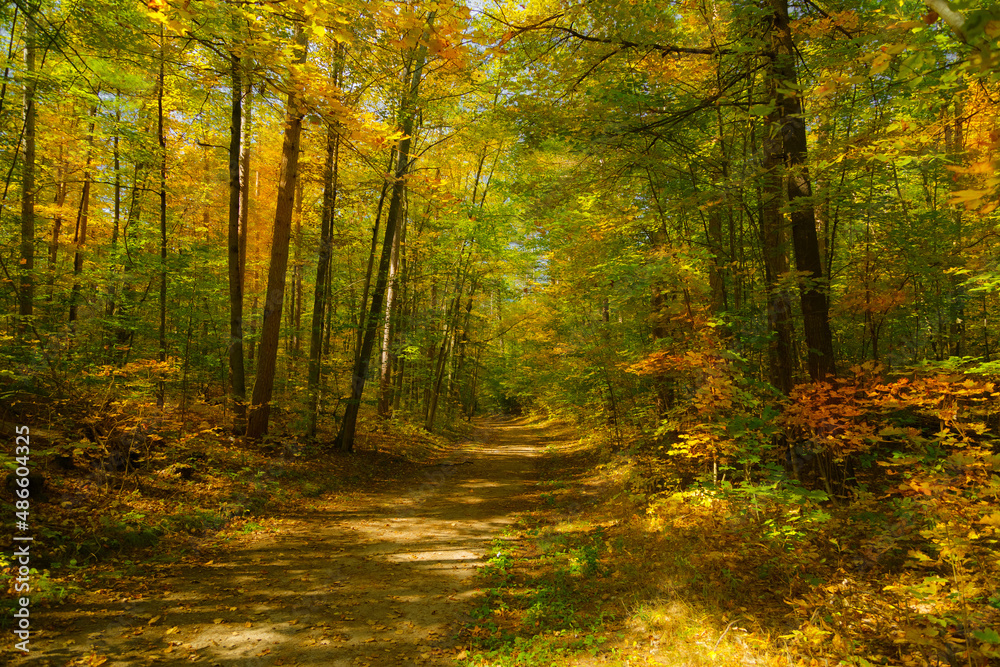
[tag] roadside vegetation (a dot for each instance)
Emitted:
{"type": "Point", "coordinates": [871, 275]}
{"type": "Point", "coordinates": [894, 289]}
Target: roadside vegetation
{"type": "Point", "coordinates": [646, 551]}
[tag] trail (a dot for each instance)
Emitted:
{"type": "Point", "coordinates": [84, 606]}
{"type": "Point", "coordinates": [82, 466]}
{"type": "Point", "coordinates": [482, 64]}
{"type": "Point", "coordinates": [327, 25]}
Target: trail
{"type": "Point", "coordinates": [386, 581]}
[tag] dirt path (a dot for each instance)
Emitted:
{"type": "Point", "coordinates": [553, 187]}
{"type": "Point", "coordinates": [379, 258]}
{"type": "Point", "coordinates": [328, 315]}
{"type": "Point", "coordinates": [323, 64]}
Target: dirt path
{"type": "Point", "coordinates": [387, 582]}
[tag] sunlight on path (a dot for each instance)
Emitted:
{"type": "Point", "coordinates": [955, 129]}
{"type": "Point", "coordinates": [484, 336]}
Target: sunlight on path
{"type": "Point", "coordinates": [386, 581]}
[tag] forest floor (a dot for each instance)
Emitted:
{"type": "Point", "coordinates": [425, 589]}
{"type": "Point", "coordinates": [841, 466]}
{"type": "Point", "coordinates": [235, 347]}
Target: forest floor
{"type": "Point", "coordinates": [517, 543]}
{"type": "Point", "coordinates": [521, 545]}
{"type": "Point", "coordinates": [380, 576]}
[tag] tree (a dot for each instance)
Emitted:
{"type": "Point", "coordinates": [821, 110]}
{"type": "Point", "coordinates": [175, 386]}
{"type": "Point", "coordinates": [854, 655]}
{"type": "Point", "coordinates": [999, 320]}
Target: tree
{"type": "Point", "coordinates": [813, 289]}
{"type": "Point", "coordinates": [26, 296]}
{"type": "Point", "coordinates": [161, 139]}
{"type": "Point", "coordinates": [235, 239]}
{"type": "Point", "coordinates": [408, 112]}
{"type": "Point", "coordinates": [271, 327]}
{"type": "Point", "coordinates": [321, 296]}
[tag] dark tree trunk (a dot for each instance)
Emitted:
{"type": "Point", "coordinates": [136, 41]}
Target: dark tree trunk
{"type": "Point", "coordinates": [26, 290]}
{"type": "Point", "coordinates": [237, 369]}
{"type": "Point", "coordinates": [322, 295]}
{"type": "Point", "coordinates": [348, 427]}
{"type": "Point", "coordinates": [57, 222]}
{"type": "Point", "coordinates": [162, 140]}
{"type": "Point", "coordinates": [271, 328]}
{"type": "Point", "coordinates": [813, 288]}
{"type": "Point", "coordinates": [82, 220]}
{"type": "Point", "coordinates": [779, 303]}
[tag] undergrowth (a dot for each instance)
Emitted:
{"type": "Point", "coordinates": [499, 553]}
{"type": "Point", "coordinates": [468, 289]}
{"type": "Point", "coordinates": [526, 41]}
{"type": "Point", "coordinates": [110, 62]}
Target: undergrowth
{"type": "Point", "coordinates": [187, 487]}
{"type": "Point", "coordinates": [876, 545]}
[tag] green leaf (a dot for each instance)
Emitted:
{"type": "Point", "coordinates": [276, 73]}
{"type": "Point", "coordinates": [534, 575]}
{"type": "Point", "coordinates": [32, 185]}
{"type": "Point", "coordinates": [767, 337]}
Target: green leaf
{"type": "Point", "coordinates": [987, 636]}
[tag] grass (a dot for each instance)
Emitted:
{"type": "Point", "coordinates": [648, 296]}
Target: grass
{"type": "Point", "coordinates": [619, 564]}
{"type": "Point", "coordinates": [579, 583]}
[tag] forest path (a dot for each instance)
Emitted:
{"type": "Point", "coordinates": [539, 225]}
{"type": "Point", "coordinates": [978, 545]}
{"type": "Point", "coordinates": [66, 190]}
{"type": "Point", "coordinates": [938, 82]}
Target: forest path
{"type": "Point", "coordinates": [386, 579]}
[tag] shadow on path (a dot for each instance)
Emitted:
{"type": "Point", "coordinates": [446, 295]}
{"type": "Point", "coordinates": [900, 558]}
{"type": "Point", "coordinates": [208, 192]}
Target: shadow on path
{"type": "Point", "coordinates": [385, 582]}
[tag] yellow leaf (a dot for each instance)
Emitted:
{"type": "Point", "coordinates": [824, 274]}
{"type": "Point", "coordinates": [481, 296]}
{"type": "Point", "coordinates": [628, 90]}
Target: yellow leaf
{"type": "Point", "coordinates": [963, 196]}
{"type": "Point", "coordinates": [881, 63]}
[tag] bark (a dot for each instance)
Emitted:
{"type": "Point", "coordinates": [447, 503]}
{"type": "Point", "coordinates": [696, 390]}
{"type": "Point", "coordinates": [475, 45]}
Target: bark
{"type": "Point", "coordinates": [125, 331]}
{"type": "Point", "coordinates": [470, 403]}
{"type": "Point", "coordinates": [371, 267]}
{"type": "Point", "coordinates": [403, 322]}
{"type": "Point", "coordinates": [296, 333]}
{"type": "Point", "coordinates": [388, 329]}
{"type": "Point", "coordinates": [779, 304]}
{"type": "Point", "coordinates": [431, 354]}
{"type": "Point", "coordinates": [26, 291]}
{"type": "Point", "coordinates": [813, 288]}
{"type": "Point", "coordinates": [162, 140]}
{"type": "Point", "coordinates": [57, 222]}
{"type": "Point", "coordinates": [447, 340]}
{"type": "Point", "coordinates": [82, 221]}
{"type": "Point", "coordinates": [245, 182]}
{"type": "Point", "coordinates": [10, 57]}
{"type": "Point", "coordinates": [659, 318]}
{"type": "Point", "coordinates": [348, 427]}
{"type": "Point", "coordinates": [456, 384]}
{"type": "Point", "coordinates": [237, 369]}
{"type": "Point", "coordinates": [322, 295]}
{"type": "Point", "coordinates": [117, 219]}
{"type": "Point", "coordinates": [271, 327]}
{"type": "Point", "coordinates": [954, 19]}
{"type": "Point", "coordinates": [716, 270]}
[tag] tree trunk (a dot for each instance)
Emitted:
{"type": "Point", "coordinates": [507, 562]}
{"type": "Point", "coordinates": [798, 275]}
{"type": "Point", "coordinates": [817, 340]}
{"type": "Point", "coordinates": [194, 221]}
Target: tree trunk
{"type": "Point", "coordinates": [124, 325]}
{"type": "Point", "coordinates": [82, 220]}
{"type": "Point", "coordinates": [813, 288]}
{"type": "Point", "coordinates": [57, 222]}
{"type": "Point", "coordinates": [245, 184]}
{"type": "Point", "coordinates": [321, 296]}
{"type": "Point", "coordinates": [779, 304]}
{"type": "Point", "coordinates": [296, 337]}
{"type": "Point", "coordinates": [665, 395]}
{"type": "Point", "coordinates": [348, 427]}
{"type": "Point", "coordinates": [237, 370]}
{"type": "Point", "coordinates": [402, 323]}
{"type": "Point", "coordinates": [271, 327]}
{"type": "Point", "coordinates": [716, 270]}
{"type": "Point", "coordinates": [471, 403]}
{"type": "Point", "coordinates": [450, 324]}
{"type": "Point", "coordinates": [162, 140]}
{"type": "Point", "coordinates": [109, 309]}
{"type": "Point", "coordinates": [455, 384]}
{"type": "Point", "coordinates": [388, 357]}
{"type": "Point", "coordinates": [26, 293]}
{"type": "Point", "coordinates": [362, 320]}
